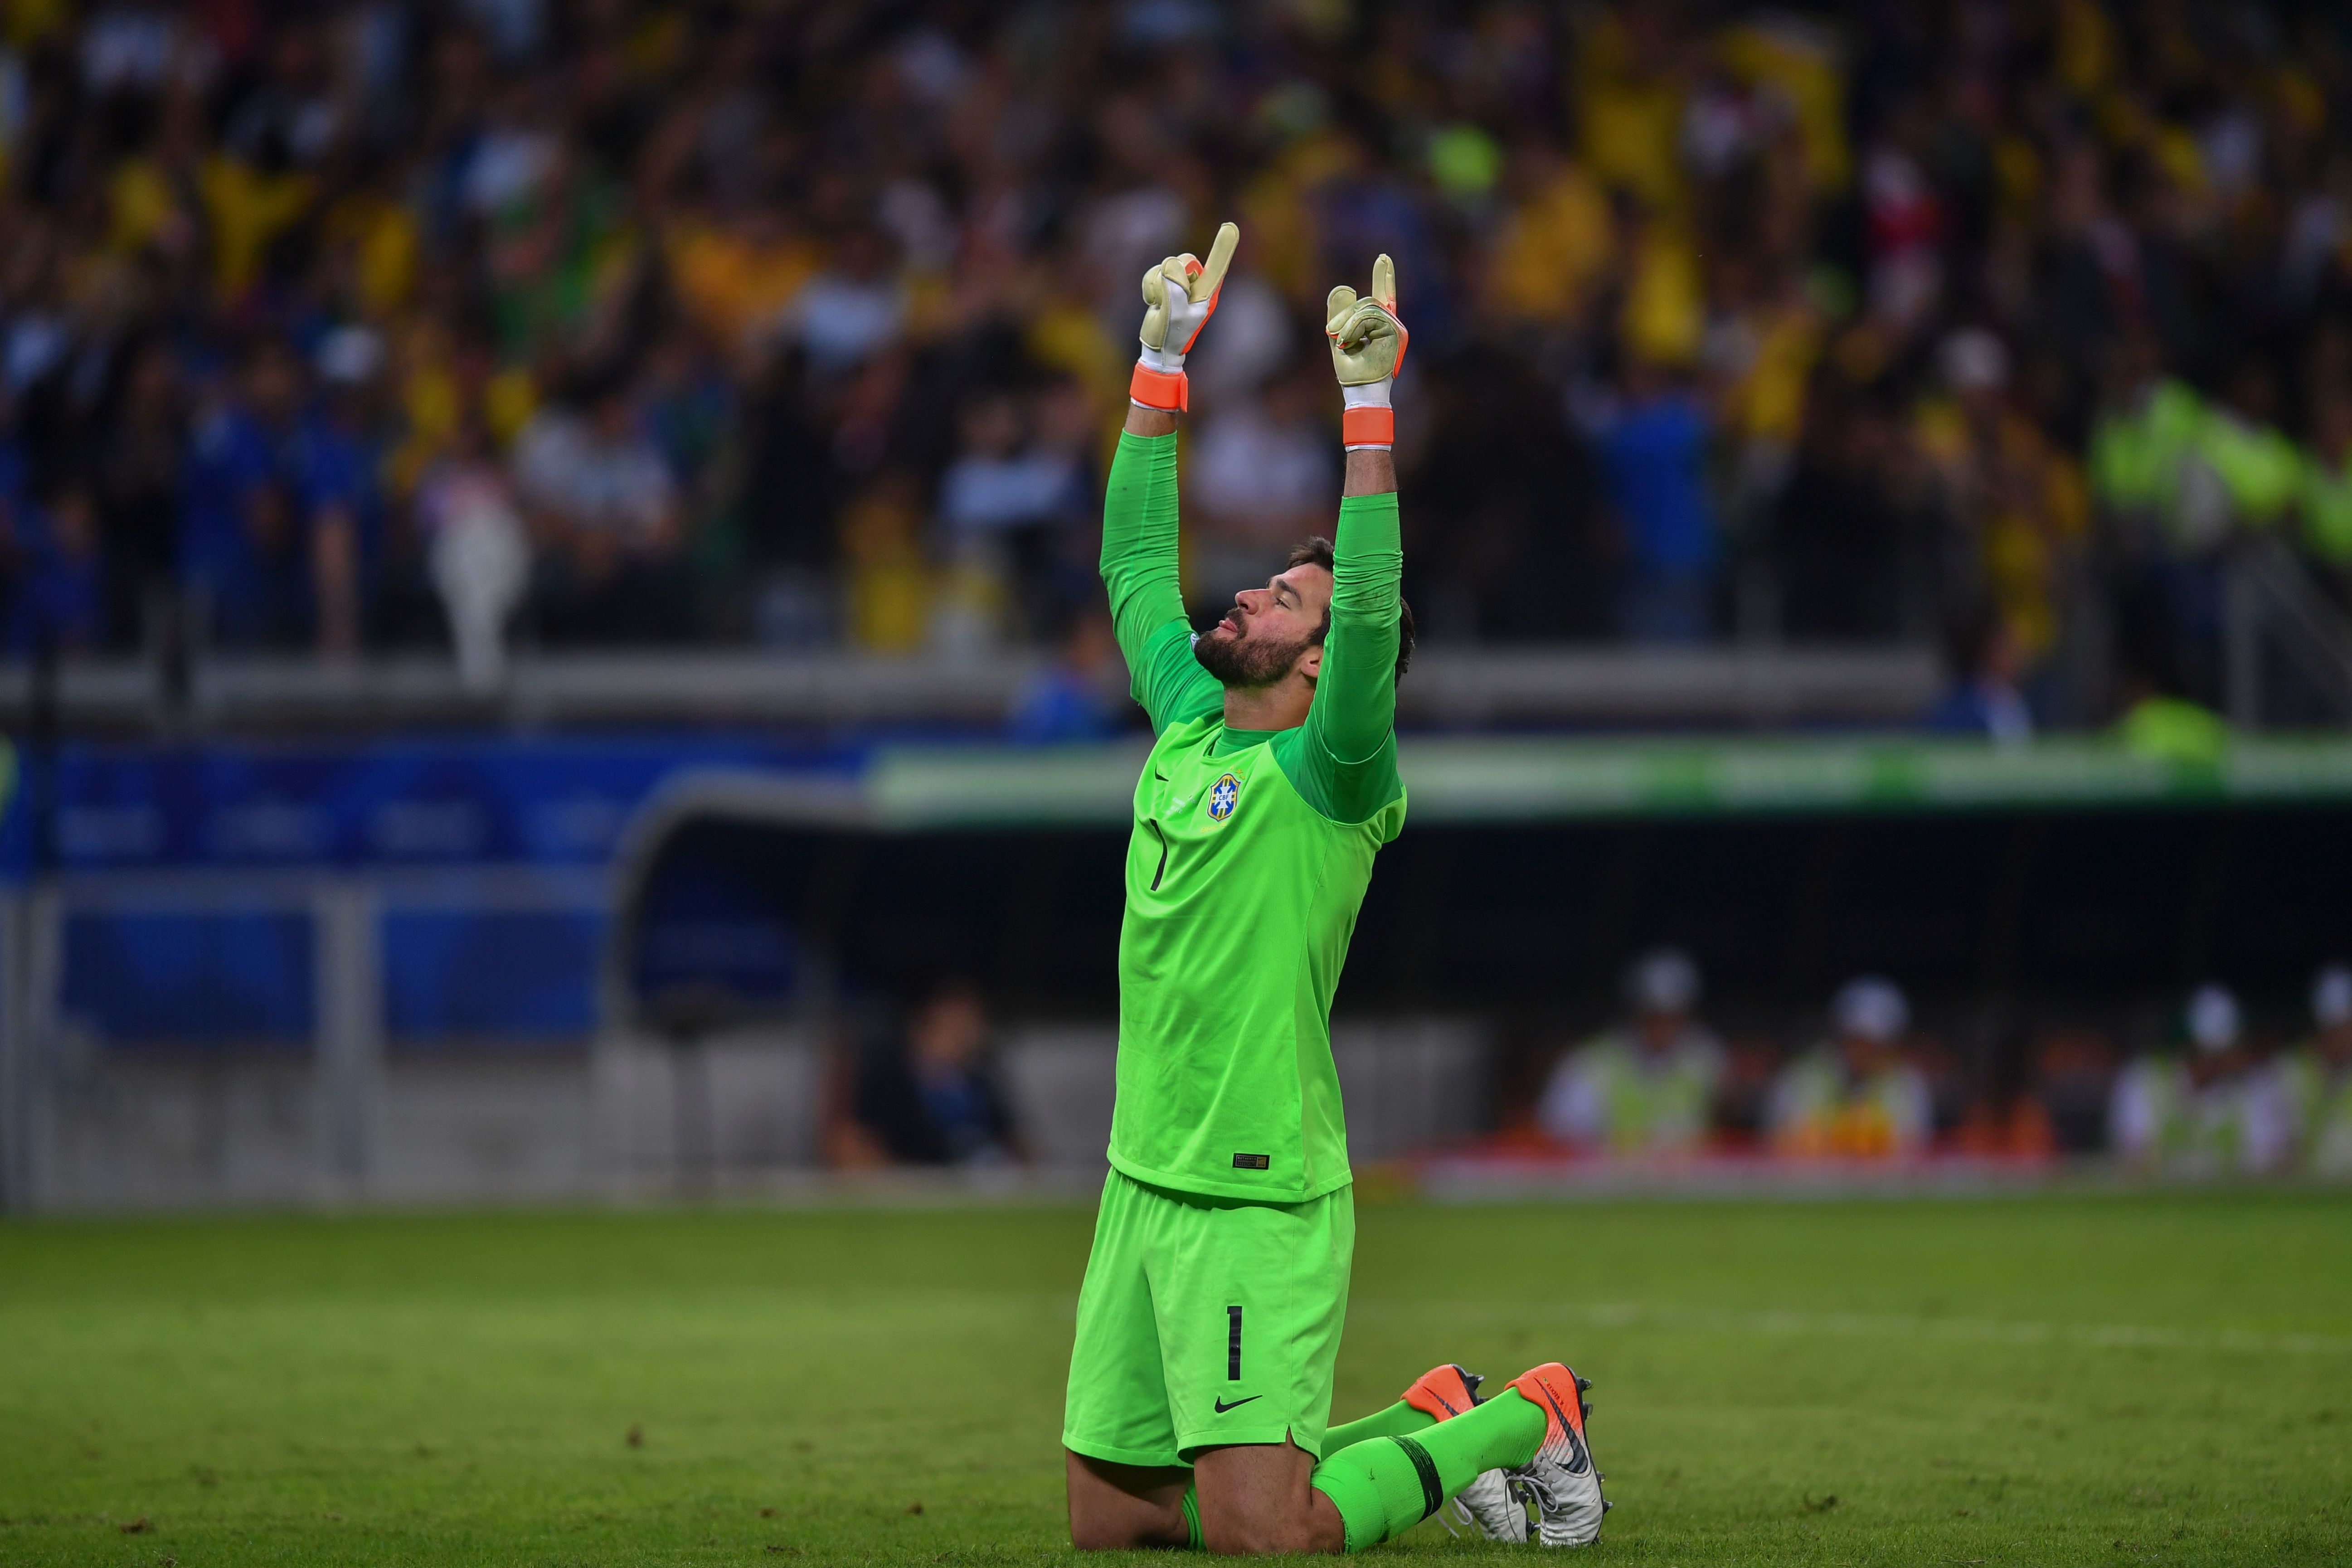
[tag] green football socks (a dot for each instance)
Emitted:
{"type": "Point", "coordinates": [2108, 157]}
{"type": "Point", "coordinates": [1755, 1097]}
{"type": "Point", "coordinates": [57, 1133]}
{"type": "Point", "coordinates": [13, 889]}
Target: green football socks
{"type": "Point", "coordinates": [1384, 1486]}
{"type": "Point", "coordinates": [1194, 1541]}
{"type": "Point", "coordinates": [1399, 1420]}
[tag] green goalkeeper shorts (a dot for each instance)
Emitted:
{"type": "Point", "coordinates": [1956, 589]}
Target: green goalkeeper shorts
{"type": "Point", "coordinates": [1205, 1320]}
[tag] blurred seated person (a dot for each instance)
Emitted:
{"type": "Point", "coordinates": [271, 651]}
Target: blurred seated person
{"type": "Point", "coordinates": [1646, 1086]}
{"type": "Point", "coordinates": [2316, 1076]}
{"type": "Point", "coordinates": [2208, 1112]}
{"type": "Point", "coordinates": [930, 1097]}
{"type": "Point", "coordinates": [1857, 1093]}
{"type": "Point", "coordinates": [2074, 1075]}
{"type": "Point", "coordinates": [1982, 699]}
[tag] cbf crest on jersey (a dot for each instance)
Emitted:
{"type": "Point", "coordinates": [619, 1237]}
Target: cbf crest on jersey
{"type": "Point", "coordinates": [1221, 796]}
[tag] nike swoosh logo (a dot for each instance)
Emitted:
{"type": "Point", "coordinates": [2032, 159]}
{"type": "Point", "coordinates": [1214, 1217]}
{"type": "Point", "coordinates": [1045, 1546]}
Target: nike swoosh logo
{"type": "Point", "coordinates": [1236, 1404]}
{"type": "Point", "coordinates": [1576, 1458]}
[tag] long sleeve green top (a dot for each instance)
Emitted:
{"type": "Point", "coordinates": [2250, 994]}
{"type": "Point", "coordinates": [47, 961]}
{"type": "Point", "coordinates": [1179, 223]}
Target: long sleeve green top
{"type": "Point", "coordinates": [1246, 864]}
{"type": "Point", "coordinates": [1343, 759]}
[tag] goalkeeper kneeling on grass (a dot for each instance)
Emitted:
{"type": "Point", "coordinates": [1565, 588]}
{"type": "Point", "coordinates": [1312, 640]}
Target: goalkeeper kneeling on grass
{"type": "Point", "coordinates": [1201, 1376]}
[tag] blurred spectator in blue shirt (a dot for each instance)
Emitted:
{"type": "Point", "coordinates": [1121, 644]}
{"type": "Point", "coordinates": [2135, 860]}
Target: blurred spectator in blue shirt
{"type": "Point", "coordinates": [1078, 697]}
{"type": "Point", "coordinates": [57, 594]}
{"type": "Point", "coordinates": [1983, 699]}
{"type": "Point", "coordinates": [1652, 448]}
{"type": "Point", "coordinates": [689, 402]}
{"type": "Point", "coordinates": [238, 544]}
{"type": "Point", "coordinates": [335, 461]}
{"type": "Point", "coordinates": [1361, 208]}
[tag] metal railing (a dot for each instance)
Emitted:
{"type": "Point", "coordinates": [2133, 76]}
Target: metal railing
{"type": "Point", "coordinates": [2277, 614]}
{"type": "Point", "coordinates": [1452, 686]}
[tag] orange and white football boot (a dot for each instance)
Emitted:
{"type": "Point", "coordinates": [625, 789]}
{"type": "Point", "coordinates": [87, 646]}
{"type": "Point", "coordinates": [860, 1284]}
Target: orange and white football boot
{"type": "Point", "coordinates": [1560, 1481]}
{"type": "Point", "coordinates": [1487, 1504]}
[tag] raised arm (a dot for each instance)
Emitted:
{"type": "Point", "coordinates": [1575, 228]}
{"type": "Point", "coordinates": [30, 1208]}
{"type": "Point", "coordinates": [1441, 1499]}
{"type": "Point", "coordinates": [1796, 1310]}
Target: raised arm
{"type": "Point", "coordinates": [1355, 701]}
{"type": "Point", "coordinates": [1138, 571]}
{"type": "Point", "coordinates": [1348, 753]}
{"type": "Point", "coordinates": [1139, 518]}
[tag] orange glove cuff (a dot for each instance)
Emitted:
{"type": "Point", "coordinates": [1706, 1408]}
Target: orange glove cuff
{"type": "Point", "coordinates": [1166, 389]}
{"type": "Point", "coordinates": [1368, 426]}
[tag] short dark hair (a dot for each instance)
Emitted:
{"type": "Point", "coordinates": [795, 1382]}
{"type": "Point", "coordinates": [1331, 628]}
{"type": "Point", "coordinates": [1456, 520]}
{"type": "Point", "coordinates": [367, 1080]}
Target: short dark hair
{"type": "Point", "coordinates": [1316, 550]}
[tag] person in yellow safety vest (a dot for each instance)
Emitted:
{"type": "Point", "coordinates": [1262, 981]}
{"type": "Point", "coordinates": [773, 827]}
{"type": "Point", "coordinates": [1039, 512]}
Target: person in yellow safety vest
{"type": "Point", "coordinates": [2243, 473]}
{"type": "Point", "coordinates": [1647, 1085]}
{"type": "Point", "coordinates": [2192, 469]}
{"type": "Point", "coordinates": [2316, 1076]}
{"type": "Point", "coordinates": [1857, 1093]}
{"type": "Point", "coordinates": [2210, 1113]}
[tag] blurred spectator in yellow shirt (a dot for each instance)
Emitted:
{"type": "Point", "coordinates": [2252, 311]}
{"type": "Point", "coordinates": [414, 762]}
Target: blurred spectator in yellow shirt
{"type": "Point", "coordinates": [1856, 1093]}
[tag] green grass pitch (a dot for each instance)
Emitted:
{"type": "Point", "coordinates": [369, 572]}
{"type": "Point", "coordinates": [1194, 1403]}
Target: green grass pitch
{"type": "Point", "coordinates": [2077, 1379]}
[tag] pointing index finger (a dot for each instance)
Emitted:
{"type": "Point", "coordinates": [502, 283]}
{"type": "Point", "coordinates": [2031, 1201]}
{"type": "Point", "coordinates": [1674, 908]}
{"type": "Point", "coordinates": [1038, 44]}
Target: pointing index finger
{"type": "Point", "coordinates": [1384, 283]}
{"type": "Point", "coordinates": [1220, 257]}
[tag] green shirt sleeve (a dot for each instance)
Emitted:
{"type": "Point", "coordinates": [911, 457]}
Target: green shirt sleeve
{"type": "Point", "coordinates": [1146, 598]}
{"type": "Point", "coordinates": [1343, 759]}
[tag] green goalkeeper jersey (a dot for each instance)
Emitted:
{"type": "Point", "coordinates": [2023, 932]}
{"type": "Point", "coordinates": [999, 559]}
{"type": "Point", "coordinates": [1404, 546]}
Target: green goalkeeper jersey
{"type": "Point", "coordinates": [1248, 863]}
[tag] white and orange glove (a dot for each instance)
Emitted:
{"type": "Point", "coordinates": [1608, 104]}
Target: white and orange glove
{"type": "Point", "coordinates": [1180, 295]}
{"type": "Point", "coordinates": [1367, 346]}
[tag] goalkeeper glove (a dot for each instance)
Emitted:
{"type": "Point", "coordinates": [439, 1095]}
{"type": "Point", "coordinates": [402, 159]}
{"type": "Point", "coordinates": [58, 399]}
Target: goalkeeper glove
{"type": "Point", "coordinates": [1367, 346]}
{"type": "Point", "coordinates": [1180, 295]}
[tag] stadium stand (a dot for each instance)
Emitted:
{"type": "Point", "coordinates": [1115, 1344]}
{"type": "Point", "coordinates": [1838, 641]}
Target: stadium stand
{"type": "Point", "coordinates": [347, 328]}
{"type": "Point", "coordinates": [530, 642]}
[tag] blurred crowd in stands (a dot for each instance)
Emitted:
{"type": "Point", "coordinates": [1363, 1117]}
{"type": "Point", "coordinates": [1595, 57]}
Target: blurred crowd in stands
{"type": "Point", "coordinates": [393, 322]}
{"type": "Point", "coordinates": [1661, 1086]}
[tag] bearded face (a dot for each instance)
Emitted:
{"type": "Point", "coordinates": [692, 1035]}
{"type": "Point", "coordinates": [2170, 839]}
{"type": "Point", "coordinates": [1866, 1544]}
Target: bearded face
{"type": "Point", "coordinates": [1238, 659]}
{"type": "Point", "coordinates": [1268, 630]}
